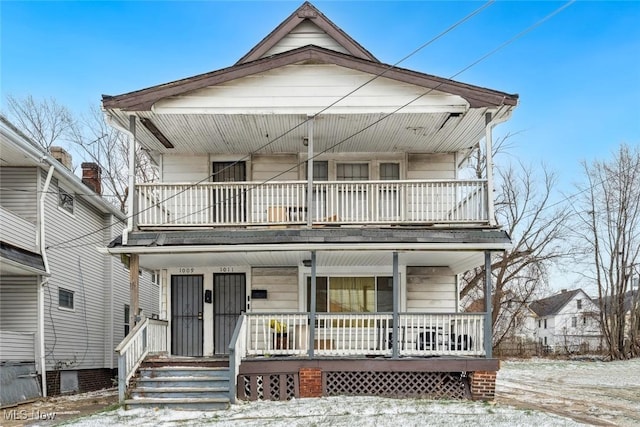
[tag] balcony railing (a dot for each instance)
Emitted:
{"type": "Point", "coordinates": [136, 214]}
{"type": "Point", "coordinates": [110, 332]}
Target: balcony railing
{"type": "Point", "coordinates": [363, 334]}
{"type": "Point", "coordinates": [333, 202]}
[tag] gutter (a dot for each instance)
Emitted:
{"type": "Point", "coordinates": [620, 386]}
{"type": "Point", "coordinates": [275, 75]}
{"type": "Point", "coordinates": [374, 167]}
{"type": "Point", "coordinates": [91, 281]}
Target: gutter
{"type": "Point", "coordinates": [45, 260]}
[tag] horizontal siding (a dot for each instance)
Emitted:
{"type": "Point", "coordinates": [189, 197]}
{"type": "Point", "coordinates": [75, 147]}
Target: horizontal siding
{"type": "Point", "coordinates": [19, 192]}
{"type": "Point", "coordinates": [431, 166]}
{"type": "Point", "coordinates": [17, 346]}
{"type": "Point", "coordinates": [306, 33]}
{"type": "Point", "coordinates": [299, 89]}
{"type": "Point", "coordinates": [283, 167]}
{"type": "Point", "coordinates": [180, 168]}
{"type": "Point", "coordinates": [75, 338]}
{"type": "Point", "coordinates": [431, 289]}
{"type": "Point", "coordinates": [17, 231]}
{"type": "Point", "coordinates": [19, 303]}
{"type": "Point", "coordinates": [281, 285]}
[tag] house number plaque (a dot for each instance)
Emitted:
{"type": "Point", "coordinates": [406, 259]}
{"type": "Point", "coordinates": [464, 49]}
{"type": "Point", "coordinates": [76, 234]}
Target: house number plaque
{"type": "Point", "coordinates": [226, 269]}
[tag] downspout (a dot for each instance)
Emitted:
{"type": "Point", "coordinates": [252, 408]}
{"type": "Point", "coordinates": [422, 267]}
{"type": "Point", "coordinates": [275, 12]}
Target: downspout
{"type": "Point", "coordinates": [43, 252]}
{"type": "Point", "coordinates": [131, 173]}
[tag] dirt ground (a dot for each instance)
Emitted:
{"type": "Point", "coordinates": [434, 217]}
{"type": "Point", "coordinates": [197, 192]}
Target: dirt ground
{"type": "Point", "coordinates": [54, 410]}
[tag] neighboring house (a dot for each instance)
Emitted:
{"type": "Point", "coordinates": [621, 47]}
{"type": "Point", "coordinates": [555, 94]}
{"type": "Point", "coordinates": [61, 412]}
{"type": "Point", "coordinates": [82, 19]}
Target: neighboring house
{"type": "Point", "coordinates": [567, 322]}
{"type": "Point", "coordinates": [282, 227]}
{"type": "Point", "coordinates": [630, 305]}
{"type": "Point", "coordinates": [62, 303]}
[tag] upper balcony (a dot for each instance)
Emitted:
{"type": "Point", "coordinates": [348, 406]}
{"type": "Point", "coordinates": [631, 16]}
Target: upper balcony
{"type": "Point", "coordinates": [286, 203]}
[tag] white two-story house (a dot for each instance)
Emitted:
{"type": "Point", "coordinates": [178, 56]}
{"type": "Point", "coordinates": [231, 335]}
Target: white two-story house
{"type": "Point", "coordinates": [567, 322]}
{"type": "Point", "coordinates": [63, 305]}
{"type": "Point", "coordinates": [311, 209]}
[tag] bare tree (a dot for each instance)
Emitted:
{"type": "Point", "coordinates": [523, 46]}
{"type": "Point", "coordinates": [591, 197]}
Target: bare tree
{"type": "Point", "coordinates": [109, 148]}
{"type": "Point", "coordinates": [538, 228]}
{"type": "Point", "coordinates": [45, 121]}
{"type": "Point", "coordinates": [609, 215]}
{"type": "Point", "coordinates": [49, 123]}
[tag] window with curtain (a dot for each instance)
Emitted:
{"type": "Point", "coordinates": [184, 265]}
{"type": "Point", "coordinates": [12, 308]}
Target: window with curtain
{"type": "Point", "coordinates": [352, 294]}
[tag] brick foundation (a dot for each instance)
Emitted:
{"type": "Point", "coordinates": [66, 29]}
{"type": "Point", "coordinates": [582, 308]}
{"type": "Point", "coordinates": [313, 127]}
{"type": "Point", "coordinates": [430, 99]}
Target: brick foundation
{"type": "Point", "coordinates": [483, 385]}
{"type": "Point", "coordinates": [310, 382]}
{"type": "Point", "coordinates": [88, 380]}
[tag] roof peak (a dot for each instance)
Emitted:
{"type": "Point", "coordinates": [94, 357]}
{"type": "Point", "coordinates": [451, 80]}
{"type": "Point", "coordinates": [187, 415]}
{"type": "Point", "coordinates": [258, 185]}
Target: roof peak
{"type": "Point", "coordinates": [307, 12]}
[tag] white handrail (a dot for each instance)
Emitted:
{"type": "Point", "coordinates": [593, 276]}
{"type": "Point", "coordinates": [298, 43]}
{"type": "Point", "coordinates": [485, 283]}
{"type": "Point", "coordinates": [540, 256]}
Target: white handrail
{"type": "Point", "coordinates": [237, 352]}
{"type": "Point", "coordinates": [336, 202]}
{"type": "Point", "coordinates": [148, 336]}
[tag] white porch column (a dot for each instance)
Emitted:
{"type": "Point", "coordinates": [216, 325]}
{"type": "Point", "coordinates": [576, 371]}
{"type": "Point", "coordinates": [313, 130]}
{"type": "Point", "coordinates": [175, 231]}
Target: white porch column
{"type": "Point", "coordinates": [488, 140]}
{"type": "Point", "coordinates": [488, 326]}
{"type": "Point", "coordinates": [396, 307]}
{"type": "Point", "coordinates": [310, 155]}
{"type": "Point", "coordinates": [132, 200]}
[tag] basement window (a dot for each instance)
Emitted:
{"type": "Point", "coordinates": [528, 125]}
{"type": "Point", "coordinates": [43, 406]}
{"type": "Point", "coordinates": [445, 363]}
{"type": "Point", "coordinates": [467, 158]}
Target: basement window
{"type": "Point", "coordinates": [65, 298]}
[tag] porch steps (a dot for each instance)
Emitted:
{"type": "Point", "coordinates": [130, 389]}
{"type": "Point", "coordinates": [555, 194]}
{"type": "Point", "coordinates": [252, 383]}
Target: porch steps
{"type": "Point", "coordinates": [186, 386]}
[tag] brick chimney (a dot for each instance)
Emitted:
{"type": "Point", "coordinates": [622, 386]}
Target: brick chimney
{"type": "Point", "coordinates": [61, 155]}
{"type": "Point", "coordinates": [92, 177]}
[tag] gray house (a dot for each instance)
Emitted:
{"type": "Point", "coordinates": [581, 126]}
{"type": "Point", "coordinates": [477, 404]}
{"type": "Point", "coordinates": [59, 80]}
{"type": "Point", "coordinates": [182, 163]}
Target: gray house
{"type": "Point", "coordinates": [63, 305]}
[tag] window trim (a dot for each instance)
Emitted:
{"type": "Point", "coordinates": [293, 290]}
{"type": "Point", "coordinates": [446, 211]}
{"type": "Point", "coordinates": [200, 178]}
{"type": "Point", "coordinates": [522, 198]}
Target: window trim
{"type": "Point", "coordinates": [63, 307]}
{"type": "Point", "coordinates": [62, 193]}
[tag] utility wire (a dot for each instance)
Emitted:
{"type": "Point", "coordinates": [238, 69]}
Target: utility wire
{"type": "Point", "coordinates": [479, 60]}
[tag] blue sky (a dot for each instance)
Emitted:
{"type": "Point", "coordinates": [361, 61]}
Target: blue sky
{"type": "Point", "coordinates": [578, 74]}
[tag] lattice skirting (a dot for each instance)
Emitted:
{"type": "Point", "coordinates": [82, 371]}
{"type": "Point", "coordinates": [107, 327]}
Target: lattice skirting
{"type": "Point", "coordinates": [268, 387]}
{"type": "Point", "coordinates": [434, 385]}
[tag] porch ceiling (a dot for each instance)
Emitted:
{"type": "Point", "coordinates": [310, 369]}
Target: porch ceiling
{"type": "Point", "coordinates": [459, 262]}
{"type": "Point", "coordinates": [442, 131]}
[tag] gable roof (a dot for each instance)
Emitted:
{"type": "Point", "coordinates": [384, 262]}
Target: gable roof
{"type": "Point", "coordinates": [143, 100]}
{"type": "Point", "coordinates": [307, 12]}
{"type": "Point", "coordinates": [553, 304]}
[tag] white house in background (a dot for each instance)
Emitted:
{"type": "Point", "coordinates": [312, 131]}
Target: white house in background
{"type": "Point", "coordinates": [63, 306]}
{"type": "Point", "coordinates": [567, 322]}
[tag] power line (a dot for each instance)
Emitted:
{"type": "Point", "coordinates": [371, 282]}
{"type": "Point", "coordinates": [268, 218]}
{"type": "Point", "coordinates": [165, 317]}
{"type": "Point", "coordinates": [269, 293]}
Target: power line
{"type": "Point", "coordinates": [474, 63]}
{"type": "Point", "coordinates": [206, 179]}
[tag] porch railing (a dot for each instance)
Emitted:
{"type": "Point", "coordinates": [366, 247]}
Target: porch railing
{"type": "Point", "coordinates": [353, 334]}
{"type": "Point", "coordinates": [334, 202]}
{"type": "Point", "coordinates": [148, 336]}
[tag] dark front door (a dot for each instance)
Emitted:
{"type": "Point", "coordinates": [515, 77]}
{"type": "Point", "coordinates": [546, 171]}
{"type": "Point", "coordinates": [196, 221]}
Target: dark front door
{"type": "Point", "coordinates": [229, 301]}
{"type": "Point", "coordinates": [186, 315]}
{"type": "Point", "coordinates": [229, 202]}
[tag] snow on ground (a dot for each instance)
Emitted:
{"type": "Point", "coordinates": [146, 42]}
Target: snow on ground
{"type": "Point", "coordinates": [535, 392]}
{"type": "Point", "coordinates": [335, 411]}
{"type": "Point", "coordinates": [603, 393]}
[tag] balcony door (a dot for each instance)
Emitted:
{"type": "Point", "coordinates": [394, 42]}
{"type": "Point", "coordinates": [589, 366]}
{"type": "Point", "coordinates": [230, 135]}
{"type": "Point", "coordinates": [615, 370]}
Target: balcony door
{"type": "Point", "coordinates": [229, 203]}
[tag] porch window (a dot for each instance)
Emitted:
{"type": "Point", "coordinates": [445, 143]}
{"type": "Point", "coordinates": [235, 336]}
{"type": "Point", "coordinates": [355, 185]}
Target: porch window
{"type": "Point", "coordinates": [352, 294]}
{"type": "Point", "coordinates": [352, 171]}
{"type": "Point", "coordinates": [65, 298]}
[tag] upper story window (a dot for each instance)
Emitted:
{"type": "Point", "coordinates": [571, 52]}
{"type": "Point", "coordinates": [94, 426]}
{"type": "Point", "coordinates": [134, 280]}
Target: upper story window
{"type": "Point", "coordinates": [574, 322]}
{"type": "Point", "coordinates": [545, 323]}
{"type": "Point", "coordinates": [65, 200]}
{"type": "Point", "coordinates": [579, 304]}
{"type": "Point", "coordinates": [321, 171]}
{"type": "Point", "coordinates": [352, 171]}
{"type": "Point", "coordinates": [65, 298]}
{"type": "Point", "coordinates": [389, 171]}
